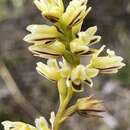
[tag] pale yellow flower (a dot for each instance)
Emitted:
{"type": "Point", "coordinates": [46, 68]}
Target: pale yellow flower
{"type": "Point", "coordinates": [51, 9]}
{"type": "Point", "coordinates": [74, 76]}
{"type": "Point", "coordinates": [9, 125]}
{"type": "Point", "coordinates": [81, 44]}
{"type": "Point", "coordinates": [51, 71]}
{"type": "Point", "coordinates": [45, 41]}
{"type": "Point", "coordinates": [41, 124]}
{"type": "Point", "coordinates": [41, 34]}
{"type": "Point", "coordinates": [87, 107]}
{"type": "Point", "coordinates": [106, 64]}
{"type": "Point", "coordinates": [51, 51]}
{"type": "Point", "coordinates": [75, 14]}
{"type": "Point", "coordinates": [82, 74]}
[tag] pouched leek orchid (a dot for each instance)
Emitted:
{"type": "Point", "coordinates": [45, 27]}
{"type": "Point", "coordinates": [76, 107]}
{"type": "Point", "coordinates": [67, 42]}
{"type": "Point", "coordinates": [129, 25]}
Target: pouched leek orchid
{"type": "Point", "coordinates": [65, 40]}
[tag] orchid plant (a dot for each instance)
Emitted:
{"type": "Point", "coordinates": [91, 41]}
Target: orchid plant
{"type": "Point", "coordinates": [63, 44]}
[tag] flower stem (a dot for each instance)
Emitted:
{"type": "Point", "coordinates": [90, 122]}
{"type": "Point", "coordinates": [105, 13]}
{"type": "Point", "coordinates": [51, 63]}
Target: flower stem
{"type": "Point", "coordinates": [61, 109]}
{"type": "Point", "coordinates": [63, 103]}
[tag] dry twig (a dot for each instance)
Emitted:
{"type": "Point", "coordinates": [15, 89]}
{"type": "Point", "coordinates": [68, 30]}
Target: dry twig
{"type": "Point", "coordinates": [15, 92]}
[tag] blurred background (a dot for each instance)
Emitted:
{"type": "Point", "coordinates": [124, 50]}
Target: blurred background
{"type": "Point", "coordinates": [24, 94]}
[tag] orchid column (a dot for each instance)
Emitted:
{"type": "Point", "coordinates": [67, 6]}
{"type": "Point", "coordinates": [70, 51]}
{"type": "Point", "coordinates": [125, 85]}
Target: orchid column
{"type": "Point", "coordinates": [65, 41]}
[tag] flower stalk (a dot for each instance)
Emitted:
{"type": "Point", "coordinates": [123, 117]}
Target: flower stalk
{"type": "Point", "coordinates": [62, 107]}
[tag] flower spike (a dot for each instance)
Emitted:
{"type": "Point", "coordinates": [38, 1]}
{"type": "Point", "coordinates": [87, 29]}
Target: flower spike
{"type": "Point", "coordinates": [65, 40]}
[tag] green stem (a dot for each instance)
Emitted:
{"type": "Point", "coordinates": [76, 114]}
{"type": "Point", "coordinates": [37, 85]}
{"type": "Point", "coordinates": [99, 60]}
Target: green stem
{"type": "Point", "coordinates": [68, 37]}
{"type": "Point", "coordinates": [61, 109]}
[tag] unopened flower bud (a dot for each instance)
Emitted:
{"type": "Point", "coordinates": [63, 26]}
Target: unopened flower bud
{"type": "Point", "coordinates": [89, 107]}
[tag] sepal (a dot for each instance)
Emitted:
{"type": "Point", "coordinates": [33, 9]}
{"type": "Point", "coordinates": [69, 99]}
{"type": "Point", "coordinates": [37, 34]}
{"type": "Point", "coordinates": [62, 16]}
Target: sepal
{"type": "Point", "coordinates": [52, 51]}
{"type": "Point", "coordinates": [50, 71]}
{"type": "Point", "coordinates": [41, 124]}
{"type": "Point", "coordinates": [41, 34]}
{"type": "Point", "coordinates": [9, 125]}
{"type": "Point", "coordinates": [75, 14]}
{"type": "Point", "coordinates": [62, 89]}
{"type": "Point", "coordinates": [81, 44]}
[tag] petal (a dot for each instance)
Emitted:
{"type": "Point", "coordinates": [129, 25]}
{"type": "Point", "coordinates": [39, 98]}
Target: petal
{"type": "Point", "coordinates": [52, 10]}
{"type": "Point", "coordinates": [89, 81]}
{"type": "Point", "coordinates": [39, 38]}
{"type": "Point", "coordinates": [9, 125]}
{"type": "Point", "coordinates": [52, 119]}
{"type": "Point", "coordinates": [77, 27]}
{"type": "Point", "coordinates": [48, 72]}
{"type": "Point", "coordinates": [41, 124]}
{"type": "Point", "coordinates": [43, 52]}
{"type": "Point", "coordinates": [91, 72]}
{"type": "Point", "coordinates": [107, 62]}
{"type": "Point", "coordinates": [52, 63]}
{"type": "Point", "coordinates": [89, 32]}
{"type": "Point", "coordinates": [40, 5]}
{"type": "Point", "coordinates": [75, 87]}
{"type": "Point", "coordinates": [99, 51]}
{"type": "Point", "coordinates": [57, 47]}
{"type": "Point", "coordinates": [42, 29]}
{"type": "Point", "coordinates": [110, 53]}
{"type": "Point", "coordinates": [88, 37]}
{"type": "Point", "coordinates": [75, 13]}
{"type": "Point", "coordinates": [89, 52]}
{"type": "Point", "coordinates": [78, 73]}
{"type": "Point", "coordinates": [77, 48]}
{"type": "Point", "coordinates": [65, 68]}
{"type": "Point", "coordinates": [95, 39]}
